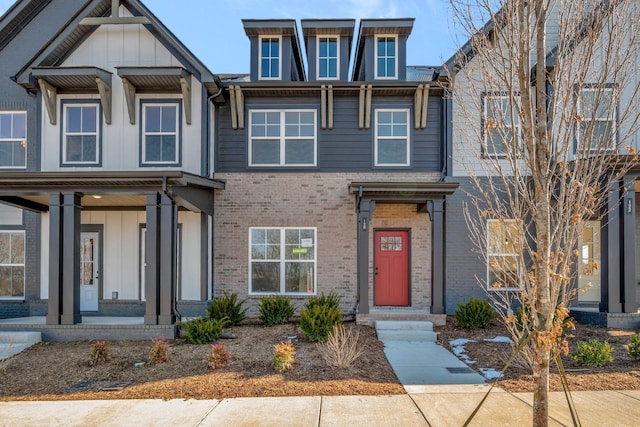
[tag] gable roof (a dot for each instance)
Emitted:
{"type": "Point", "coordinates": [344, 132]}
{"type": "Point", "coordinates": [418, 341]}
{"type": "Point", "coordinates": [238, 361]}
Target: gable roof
{"type": "Point", "coordinates": [17, 16]}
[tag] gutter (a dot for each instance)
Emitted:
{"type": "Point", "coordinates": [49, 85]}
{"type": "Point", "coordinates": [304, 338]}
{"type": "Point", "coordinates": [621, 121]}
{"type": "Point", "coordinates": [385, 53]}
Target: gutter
{"type": "Point", "coordinates": [174, 297]}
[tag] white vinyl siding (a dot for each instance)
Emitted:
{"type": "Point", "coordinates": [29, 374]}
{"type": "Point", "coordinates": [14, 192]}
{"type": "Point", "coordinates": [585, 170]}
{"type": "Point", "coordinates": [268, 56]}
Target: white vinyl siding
{"type": "Point", "coordinates": [13, 139]}
{"type": "Point", "coordinates": [392, 142]}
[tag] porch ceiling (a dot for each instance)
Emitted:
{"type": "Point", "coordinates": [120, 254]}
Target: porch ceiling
{"type": "Point", "coordinates": [408, 192]}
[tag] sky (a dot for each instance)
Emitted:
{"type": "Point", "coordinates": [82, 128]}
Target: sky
{"type": "Point", "coordinates": [212, 29]}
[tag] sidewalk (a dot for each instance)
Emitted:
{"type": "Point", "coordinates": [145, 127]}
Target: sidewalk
{"type": "Point", "coordinates": [443, 406]}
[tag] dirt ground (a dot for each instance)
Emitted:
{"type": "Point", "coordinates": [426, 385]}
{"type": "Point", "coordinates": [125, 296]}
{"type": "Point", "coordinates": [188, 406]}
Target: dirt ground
{"type": "Point", "coordinates": [59, 371]}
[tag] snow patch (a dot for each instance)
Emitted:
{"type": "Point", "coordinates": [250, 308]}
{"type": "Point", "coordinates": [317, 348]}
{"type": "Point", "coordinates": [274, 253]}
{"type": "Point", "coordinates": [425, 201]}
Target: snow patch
{"type": "Point", "coordinates": [490, 373]}
{"type": "Point", "coordinates": [458, 349]}
{"type": "Point", "coordinates": [500, 339]}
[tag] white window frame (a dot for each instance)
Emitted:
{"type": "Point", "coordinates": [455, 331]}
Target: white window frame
{"type": "Point", "coordinates": [377, 137]}
{"type": "Point", "coordinates": [493, 97]}
{"type": "Point", "coordinates": [13, 139]}
{"type": "Point", "coordinates": [283, 138]}
{"type": "Point", "coordinates": [10, 232]}
{"type": "Point", "coordinates": [260, 58]}
{"type": "Point", "coordinates": [66, 106]}
{"type": "Point", "coordinates": [143, 132]}
{"type": "Point", "coordinates": [612, 119]}
{"type": "Point", "coordinates": [377, 76]}
{"type": "Point", "coordinates": [318, 57]}
{"type": "Point", "coordinates": [282, 261]}
{"type": "Point", "coordinates": [491, 225]}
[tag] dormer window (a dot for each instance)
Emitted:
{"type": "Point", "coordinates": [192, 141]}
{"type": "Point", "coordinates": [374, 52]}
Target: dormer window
{"type": "Point", "coordinates": [270, 54]}
{"type": "Point", "coordinates": [328, 64]}
{"type": "Point", "coordinates": [386, 63]}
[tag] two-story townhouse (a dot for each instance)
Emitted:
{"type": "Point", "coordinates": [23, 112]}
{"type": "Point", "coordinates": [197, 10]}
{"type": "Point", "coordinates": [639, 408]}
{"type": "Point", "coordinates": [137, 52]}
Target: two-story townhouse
{"type": "Point", "coordinates": [332, 184]}
{"type": "Point", "coordinates": [119, 175]}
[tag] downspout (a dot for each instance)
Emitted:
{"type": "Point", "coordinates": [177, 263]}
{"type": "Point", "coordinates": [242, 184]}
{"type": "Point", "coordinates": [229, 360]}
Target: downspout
{"type": "Point", "coordinates": [210, 172]}
{"type": "Point", "coordinates": [174, 297]}
{"type": "Point", "coordinates": [358, 200]}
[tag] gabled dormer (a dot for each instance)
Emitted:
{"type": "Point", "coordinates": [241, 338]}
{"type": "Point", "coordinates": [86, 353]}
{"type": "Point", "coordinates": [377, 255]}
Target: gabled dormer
{"type": "Point", "coordinates": [381, 52]}
{"type": "Point", "coordinates": [328, 46]}
{"type": "Point", "coordinates": [275, 50]}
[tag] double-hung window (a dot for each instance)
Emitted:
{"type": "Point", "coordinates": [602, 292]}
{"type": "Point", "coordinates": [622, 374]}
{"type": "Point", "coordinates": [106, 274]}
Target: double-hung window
{"type": "Point", "coordinates": [386, 65]}
{"type": "Point", "coordinates": [502, 254]}
{"type": "Point", "coordinates": [392, 143]}
{"type": "Point", "coordinates": [270, 55]}
{"type": "Point", "coordinates": [81, 134]}
{"type": "Point", "coordinates": [597, 119]}
{"type": "Point", "coordinates": [328, 66]}
{"type": "Point", "coordinates": [160, 133]}
{"type": "Point", "coordinates": [282, 138]}
{"type": "Point", "coordinates": [13, 139]}
{"type": "Point", "coordinates": [11, 264]}
{"type": "Point", "coordinates": [283, 260]}
{"type": "Point", "coordinates": [501, 125]}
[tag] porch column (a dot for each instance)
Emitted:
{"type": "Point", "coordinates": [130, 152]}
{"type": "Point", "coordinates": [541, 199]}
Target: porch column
{"type": "Point", "coordinates": [152, 258]}
{"type": "Point", "coordinates": [610, 300]}
{"type": "Point", "coordinates": [629, 236]}
{"type": "Point", "coordinates": [437, 257]}
{"type": "Point", "coordinates": [364, 223]}
{"type": "Point", "coordinates": [54, 303]}
{"type": "Point", "coordinates": [70, 266]}
{"type": "Point", "coordinates": [167, 251]}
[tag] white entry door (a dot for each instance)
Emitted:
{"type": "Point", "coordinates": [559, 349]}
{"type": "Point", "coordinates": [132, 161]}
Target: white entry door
{"type": "Point", "coordinates": [89, 262]}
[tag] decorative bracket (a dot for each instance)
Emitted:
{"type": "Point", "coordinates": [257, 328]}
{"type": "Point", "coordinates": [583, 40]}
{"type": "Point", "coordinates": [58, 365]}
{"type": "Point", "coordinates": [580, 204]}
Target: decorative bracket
{"type": "Point", "coordinates": [105, 98]}
{"type": "Point", "coordinates": [49, 96]}
{"type": "Point", "coordinates": [130, 98]}
{"type": "Point", "coordinates": [185, 85]}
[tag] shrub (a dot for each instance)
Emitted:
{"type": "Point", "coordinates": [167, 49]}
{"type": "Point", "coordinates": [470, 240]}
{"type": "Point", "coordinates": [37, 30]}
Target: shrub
{"type": "Point", "coordinates": [592, 353]}
{"type": "Point", "coordinates": [284, 356]}
{"type": "Point", "coordinates": [98, 353]}
{"type": "Point", "coordinates": [634, 348]}
{"type": "Point", "coordinates": [318, 321]}
{"type": "Point", "coordinates": [342, 347]}
{"type": "Point", "coordinates": [219, 357]}
{"type": "Point", "coordinates": [275, 310]}
{"type": "Point", "coordinates": [330, 300]}
{"type": "Point", "coordinates": [159, 352]}
{"type": "Point", "coordinates": [228, 307]}
{"type": "Point", "coordinates": [476, 314]}
{"type": "Point", "coordinates": [202, 331]}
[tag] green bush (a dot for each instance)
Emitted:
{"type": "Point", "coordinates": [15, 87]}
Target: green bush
{"type": "Point", "coordinates": [476, 314]}
{"type": "Point", "coordinates": [592, 353]}
{"type": "Point", "coordinates": [634, 348]}
{"type": "Point", "coordinates": [330, 300]}
{"type": "Point", "coordinates": [317, 321]}
{"type": "Point", "coordinates": [202, 331]}
{"type": "Point", "coordinates": [227, 307]}
{"type": "Point", "coordinates": [275, 310]}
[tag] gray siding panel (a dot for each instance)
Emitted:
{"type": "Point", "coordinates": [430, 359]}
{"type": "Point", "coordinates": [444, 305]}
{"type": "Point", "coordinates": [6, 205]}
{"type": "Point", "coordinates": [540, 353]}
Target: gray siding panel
{"type": "Point", "coordinates": [345, 147]}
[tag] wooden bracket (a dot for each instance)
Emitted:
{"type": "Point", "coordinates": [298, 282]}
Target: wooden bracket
{"type": "Point", "coordinates": [367, 110]}
{"type": "Point", "coordinates": [105, 98]}
{"type": "Point", "coordinates": [49, 96]}
{"type": "Point", "coordinates": [240, 106]}
{"type": "Point", "coordinates": [323, 106]}
{"type": "Point", "coordinates": [130, 98]}
{"type": "Point", "coordinates": [185, 85]}
{"type": "Point", "coordinates": [361, 109]}
{"type": "Point", "coordinates": [330, 106]}
{"type": "Point", "coordinates": [420, 105]}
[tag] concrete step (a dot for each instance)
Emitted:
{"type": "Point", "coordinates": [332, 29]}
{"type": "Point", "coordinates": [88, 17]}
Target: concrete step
{"type": "Point", "coordinates": [407, 335]}
{"type": "Point", "coordinates": [12, 343]}
{"type": "Point", "coordinates": [404, 325]}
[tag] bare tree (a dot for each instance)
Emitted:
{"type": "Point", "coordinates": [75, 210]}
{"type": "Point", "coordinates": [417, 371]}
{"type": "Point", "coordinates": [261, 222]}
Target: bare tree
{"type": "Point", "coordinates": [545, 99]}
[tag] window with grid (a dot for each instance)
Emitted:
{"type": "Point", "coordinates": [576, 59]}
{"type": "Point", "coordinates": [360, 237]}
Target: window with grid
{"type": "Point", "coordinates": [386, 65]}
{"type": "Point", "coordinates": [500, 122]}
{"type": "Point", "coordinates": [596, 119]}
{"type": "Point", "coordinates": [392, 138]}
{"type": "Point", "coordinates": [282, 138]}
{"type": "Point", "coordinates": [11, 264]}
{"type": "Point", "coordinates": [502, 255]}
{"type": "Point", "coordinates": [13, 139]}
{"type": "Point", "coordinates": [283, 260]}
{"type": "Point", "coordinates": [161, 133]}
{"type": "Point", "coordinates": [81, 139]}
{"type": "Point", "coordinates": [270, 58]}
{"type": "Point", "coordinates": [328, 57]}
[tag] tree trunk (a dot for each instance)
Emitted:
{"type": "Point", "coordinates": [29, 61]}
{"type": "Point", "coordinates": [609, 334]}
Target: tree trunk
{"type": "Point", "coordinates": [540, 393]}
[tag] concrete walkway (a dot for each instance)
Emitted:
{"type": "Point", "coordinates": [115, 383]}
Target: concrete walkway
{"type": "Point", "coordinates": [445, 406]}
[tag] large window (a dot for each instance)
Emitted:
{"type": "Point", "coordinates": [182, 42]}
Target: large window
{"type": "Point", "coordinates": [270, 55]}
{"type": "Point", "coordinates": [500, 122]}
{"type": "Point", "coordinates": [597, 119]}
{"type": "Point", "coordinates": [160, 133]}
{"type": "Point", "coordinates": [282, 138]}
{"type": "Point", "coordinates": [13, 139]}
{"type": "Point", "coordinates": [328, 66]}
{"type": "Point", "coordinates": [283, 260]}
{"type": "Point", "coordinates": [589, 276]}
{"type": "Point", "coordinates": [81, 136]}
{"type": "Point", "coordinates": [386, 65]}
{"type": "Point", "coordinates": [502, 255]}
{"type": "Point", "coordinates": [392, 138]}
{"type": "Point", "coordinates": [11, 264]}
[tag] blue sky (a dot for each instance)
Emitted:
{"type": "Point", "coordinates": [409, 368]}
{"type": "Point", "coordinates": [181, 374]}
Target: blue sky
{"type": "Point", "coordinates": [212, 29]}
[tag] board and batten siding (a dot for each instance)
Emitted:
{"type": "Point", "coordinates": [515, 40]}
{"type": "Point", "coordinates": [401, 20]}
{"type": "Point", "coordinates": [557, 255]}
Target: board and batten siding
{"type": "Point", "coordinates": [121, 253]}
{"type": "Point", "coordinates": [112, 46]}
{"type": "Point", "coordinates": [345, 148]}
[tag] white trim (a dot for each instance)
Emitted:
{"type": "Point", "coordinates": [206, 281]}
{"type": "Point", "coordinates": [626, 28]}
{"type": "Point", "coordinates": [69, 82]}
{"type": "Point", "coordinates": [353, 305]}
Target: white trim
{"type": "Point", "coordinates": [279, 38]}
{"type": "Point", "coordinates": [13, 139]}
{"type": "Point", "coordinates": [377, 137]}
{"type": "Point", "coordinates": [24, 239]}
{"type": "Point", "coordinates": [95, 105]}
{"type": "Point", "coordinates": [612, 119]}
{"type": "Point", "coordinates": [490, 225]}
{"type": "Point", "coordinates": [144, 133]}
{"type": "Point", "coordinates": [282, 138]}
{"type": "Point", "coordinates": [282, 261]}
{"type": "Point", "coordinates": [337, 40]}
{"type": "Point", "coordinates": [375, 56]}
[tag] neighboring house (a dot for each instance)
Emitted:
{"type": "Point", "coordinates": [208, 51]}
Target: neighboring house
{"type": "Point", "coordinates": [117, 188]}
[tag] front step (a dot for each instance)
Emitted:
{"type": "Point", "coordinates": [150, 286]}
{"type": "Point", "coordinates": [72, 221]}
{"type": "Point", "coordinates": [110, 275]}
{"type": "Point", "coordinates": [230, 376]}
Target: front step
{"type": "Point", "coordinates": [12, 343]}
{"type": "Point", "coordinates": [389, 330]}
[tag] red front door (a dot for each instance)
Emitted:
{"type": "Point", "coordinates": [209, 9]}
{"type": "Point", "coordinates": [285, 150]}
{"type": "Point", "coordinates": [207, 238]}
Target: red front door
{"type": "Point", "coordinates": [391, 267]}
